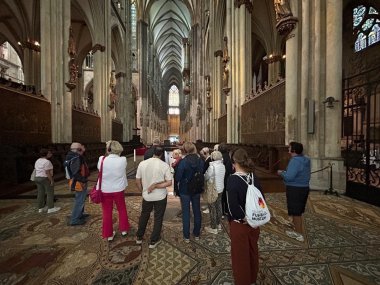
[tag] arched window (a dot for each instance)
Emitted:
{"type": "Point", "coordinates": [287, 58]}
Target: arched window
{"type": "Point", "coordinates": [366, 21]}
{"type": "Point", "coordinates": [173, 100]}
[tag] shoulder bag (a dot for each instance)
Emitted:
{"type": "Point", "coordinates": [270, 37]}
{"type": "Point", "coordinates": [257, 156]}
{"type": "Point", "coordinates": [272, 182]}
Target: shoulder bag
{"type": "Point", "coordinates": [96, 195]}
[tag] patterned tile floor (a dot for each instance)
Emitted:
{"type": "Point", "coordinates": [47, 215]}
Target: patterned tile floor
{"type": "Point", "coordinates": [342, 246]}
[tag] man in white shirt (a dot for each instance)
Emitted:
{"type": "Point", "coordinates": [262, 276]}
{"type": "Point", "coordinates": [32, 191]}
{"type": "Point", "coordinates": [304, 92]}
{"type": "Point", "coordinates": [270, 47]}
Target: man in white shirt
{"type": "Point", "coordinates": [152, 177]}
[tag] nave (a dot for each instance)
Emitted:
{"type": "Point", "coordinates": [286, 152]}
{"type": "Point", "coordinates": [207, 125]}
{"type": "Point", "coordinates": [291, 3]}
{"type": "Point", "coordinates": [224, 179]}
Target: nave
{"type": "Point", "coordinates": [342, 246]}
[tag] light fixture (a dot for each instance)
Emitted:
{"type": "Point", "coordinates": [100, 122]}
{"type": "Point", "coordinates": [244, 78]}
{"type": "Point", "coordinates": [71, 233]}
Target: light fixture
{"type": "Point", "coordinates": [329, 101]}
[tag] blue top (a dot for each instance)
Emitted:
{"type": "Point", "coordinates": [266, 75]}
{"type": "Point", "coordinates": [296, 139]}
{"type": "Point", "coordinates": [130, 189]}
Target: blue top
{"type": "Point", "coordinates": [298, 172]}
{"type": "Point", "coordinates": [186, 170]}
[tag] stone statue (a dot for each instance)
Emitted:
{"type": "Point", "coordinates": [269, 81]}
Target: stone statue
{"type": "Point", "coordinates": [282, 9]}
{"type": "Point", "coordinates": [225, 51]}
{"type": "Point", "coordinates": [226, 72]}
{"type": "Point", "coordinates": [71, 48]}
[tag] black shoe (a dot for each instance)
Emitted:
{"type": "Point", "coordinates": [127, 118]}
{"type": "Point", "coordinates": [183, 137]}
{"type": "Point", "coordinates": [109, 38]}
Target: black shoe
{"type": "Point", "coordinates": [153, 244]}
{"type": "Point", "coordinates": [80, 222]}
{"type": "Point", "coordinates": [85, 216]}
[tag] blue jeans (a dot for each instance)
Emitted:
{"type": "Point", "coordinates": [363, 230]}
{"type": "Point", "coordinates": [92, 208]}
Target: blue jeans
{"type": "Point", "coordinates": [196, 205]}
{"type": "Point", "coordinates": [80, 197]}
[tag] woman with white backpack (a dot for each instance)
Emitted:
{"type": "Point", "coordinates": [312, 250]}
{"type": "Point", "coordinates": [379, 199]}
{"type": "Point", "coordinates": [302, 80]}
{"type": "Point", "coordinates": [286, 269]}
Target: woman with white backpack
{"type": "Point", "coordinates": [244, 238]}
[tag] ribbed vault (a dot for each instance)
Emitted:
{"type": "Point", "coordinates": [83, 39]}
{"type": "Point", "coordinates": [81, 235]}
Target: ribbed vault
{"type": "Point", "coordinates": [170, 22]}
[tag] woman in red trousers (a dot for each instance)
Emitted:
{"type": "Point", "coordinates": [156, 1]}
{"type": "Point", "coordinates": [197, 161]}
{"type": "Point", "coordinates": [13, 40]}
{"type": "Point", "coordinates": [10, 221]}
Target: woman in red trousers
{"type": "Point", "coordinates": [114, 182]}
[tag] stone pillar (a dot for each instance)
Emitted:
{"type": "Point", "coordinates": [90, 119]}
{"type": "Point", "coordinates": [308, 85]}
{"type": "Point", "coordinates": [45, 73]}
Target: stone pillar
{"type": "Point", "coordinates": [243, 68]}
{"type": "Point", "coordinates": [218, 93]}
{"type": "Point", "coordinates": [229, 33]}
{"type": "Point", "coordinates": [317, 143]}
{"type": "Point", "coordinates": [305, 72]}
{"type": "Point", "coordinates": [55, 25]}
{"type": "Point", "coordinates": [333, 118]}
{"type": "Point", "coordinates": [102, 74]}
{"type": "Point", "coordinates": [32, 66]}
{"type": "Point", "coordinates": [143, 68]}
{"type": "Point", "coordinates": [233, 42]}
{"type": "Point", "coordinates": [291, 85]}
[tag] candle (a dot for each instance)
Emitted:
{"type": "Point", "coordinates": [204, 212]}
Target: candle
{"type": "Point", "coordinates": [134, 155]}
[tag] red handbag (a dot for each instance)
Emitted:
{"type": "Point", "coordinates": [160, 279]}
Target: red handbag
{"type": "Point", "coordinates": [96, 194]}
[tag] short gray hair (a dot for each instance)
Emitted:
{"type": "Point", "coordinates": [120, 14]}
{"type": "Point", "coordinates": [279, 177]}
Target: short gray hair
{"type": "Point", "coordinates": [114, 147]}
{"type": "Point", "coordinates": [216, 155]}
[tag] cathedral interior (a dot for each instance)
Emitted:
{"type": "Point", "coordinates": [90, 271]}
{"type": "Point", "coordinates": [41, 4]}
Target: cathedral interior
{"type": "Point", "coordinates": [255, 74]}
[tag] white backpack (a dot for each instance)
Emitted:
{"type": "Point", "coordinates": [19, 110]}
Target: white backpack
{"type": "Point", "coordinates": [256, 209]}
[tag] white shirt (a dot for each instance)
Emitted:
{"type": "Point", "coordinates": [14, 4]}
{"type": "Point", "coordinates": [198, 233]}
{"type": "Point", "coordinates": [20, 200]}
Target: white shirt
{"type": "Point", "coordinates": [41, 166]}
{"type": "Point", "coordinates": [150, 171]}
{"type": "Point", "coordinates": [114, 173]}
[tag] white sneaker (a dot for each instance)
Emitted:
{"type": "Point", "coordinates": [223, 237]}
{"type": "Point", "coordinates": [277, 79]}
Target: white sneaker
{"type": "Point", "coordinates": [207, 211]}
{"type": "Point", "coordinates": [41, 210]}
{"type": "Point", "coordinates": [211, 230]}
{"type": "Point", "coordinates": [111, 238]}
{"type": "Point", "coordinates": [219, 228]}
{"type": "Point", "coordinates": [295, 235]}
{"type": "Point", "coordinates": [186, 240]}
{"type": "Point", "coordinates": [53, 210]}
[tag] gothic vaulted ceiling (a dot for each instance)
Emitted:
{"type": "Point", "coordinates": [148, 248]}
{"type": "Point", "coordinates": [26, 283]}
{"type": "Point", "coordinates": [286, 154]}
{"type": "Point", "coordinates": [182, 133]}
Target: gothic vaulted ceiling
{"type": "Point", "coordinates": [170, 22]}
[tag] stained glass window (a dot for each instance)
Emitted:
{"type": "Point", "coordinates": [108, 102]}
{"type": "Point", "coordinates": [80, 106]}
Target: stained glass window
{"type": "Point", "coordinates": [366, 22]}
{"type": "Point", "coordinates": [133, 25]}
{"type": "Point", "coordinates": [173, 100]}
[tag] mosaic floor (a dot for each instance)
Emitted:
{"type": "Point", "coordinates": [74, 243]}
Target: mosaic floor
{"type": "Point", "coordinates": [342, 246]}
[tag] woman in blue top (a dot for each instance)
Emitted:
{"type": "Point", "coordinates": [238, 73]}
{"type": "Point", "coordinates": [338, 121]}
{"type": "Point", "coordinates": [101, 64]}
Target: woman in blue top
{"type": "Point", "coordinates": [184, 173]}
{"type": "Point", "coordinates": [296, 178]}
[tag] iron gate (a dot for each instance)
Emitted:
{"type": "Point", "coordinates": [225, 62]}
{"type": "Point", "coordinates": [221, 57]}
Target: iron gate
{"type": "Point", "coordinates": [361, 135]}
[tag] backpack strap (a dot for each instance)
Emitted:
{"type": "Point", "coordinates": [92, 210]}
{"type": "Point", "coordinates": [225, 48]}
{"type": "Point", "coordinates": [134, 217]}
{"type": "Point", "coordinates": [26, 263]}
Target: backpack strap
{"type": "Point", "coordinates": [250, 175]}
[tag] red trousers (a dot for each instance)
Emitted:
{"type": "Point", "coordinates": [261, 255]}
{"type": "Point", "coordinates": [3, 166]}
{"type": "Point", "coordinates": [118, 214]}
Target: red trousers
{"type": "Point", "coordinates": [107, 207]}
{"type": "Point", "coordinates": [244, 253]}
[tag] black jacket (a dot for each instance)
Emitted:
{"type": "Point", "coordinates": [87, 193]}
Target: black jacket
{"type": "Point", "coordinates": [75, 166]}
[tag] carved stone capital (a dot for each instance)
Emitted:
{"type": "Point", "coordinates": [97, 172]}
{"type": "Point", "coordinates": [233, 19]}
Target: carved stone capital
{"type": "Point", "coordinates": [285, 25]}
{"type": "Point", "coordinates": [226, 90]}
{"type": "Point", "coordinates": [272, 58]}
{"type": "Point", "coordinates": [247, 4]}
{"type": "Point", "coordinates": [29, 45]}
{"type": "Point", "coordinates": [97, 47]}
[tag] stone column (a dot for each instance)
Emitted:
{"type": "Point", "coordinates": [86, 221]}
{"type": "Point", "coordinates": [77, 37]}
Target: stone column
{"type": "Point", "coordinates": [102, 74]}
{"type": "Point", "coordinates": [32, 65]}
{"type": "Point", "coordinates": [230, 126]}
{"type": "Point", "coordinates": [143, 68]}
{"type": "Point", "coordinates": [317, 143]}
{"type": "Point", "coordinates": [55, 24]}
{"type": "Point", "coordinates": [291, 84]}
{"type": "Point", "coordinates": [333, 116]}
{"type": "Point", "coordinates": [305, 72]}
{"type": "Point", "coordinates": [218, 93]}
